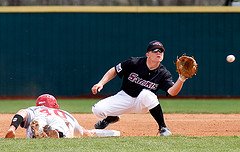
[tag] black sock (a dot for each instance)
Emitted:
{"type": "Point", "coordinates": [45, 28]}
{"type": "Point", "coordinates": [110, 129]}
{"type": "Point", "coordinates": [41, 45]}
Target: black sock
{"type": "Point", "coordinates": [157, 114]}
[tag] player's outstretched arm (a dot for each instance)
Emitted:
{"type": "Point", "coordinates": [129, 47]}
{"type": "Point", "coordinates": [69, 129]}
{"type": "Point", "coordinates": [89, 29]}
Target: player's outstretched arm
{"type": "Point", "coordinates": [176, 88]}
{"type": "Point", "coordinates": [17, 119]}
{"type": "Point", "coordinates": [186, 67]}
{"type": "Point", "coordinates": [108, 76]}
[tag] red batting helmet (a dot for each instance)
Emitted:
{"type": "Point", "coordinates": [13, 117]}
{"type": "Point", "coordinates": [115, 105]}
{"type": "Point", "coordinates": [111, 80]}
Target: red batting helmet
{"type": "Point", "coordinates": [47, 100]}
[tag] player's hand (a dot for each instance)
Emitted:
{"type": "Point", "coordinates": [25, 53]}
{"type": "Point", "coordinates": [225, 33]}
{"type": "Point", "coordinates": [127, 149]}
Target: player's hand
{"type": "Point", "coordinates": [10, 133]}
{"type": "Point", "coordinates": [97, 88]}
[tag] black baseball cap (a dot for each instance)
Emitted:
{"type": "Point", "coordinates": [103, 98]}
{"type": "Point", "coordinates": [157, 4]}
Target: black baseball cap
{"type": "Point", "coordinates": [155, 45]}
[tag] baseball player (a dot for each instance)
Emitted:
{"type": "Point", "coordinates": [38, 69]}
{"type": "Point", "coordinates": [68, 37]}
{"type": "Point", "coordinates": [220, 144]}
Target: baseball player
{"type": "Point", "coordinates": [47, 120]}
{"type": "Point", "coordinates": [141, 78]}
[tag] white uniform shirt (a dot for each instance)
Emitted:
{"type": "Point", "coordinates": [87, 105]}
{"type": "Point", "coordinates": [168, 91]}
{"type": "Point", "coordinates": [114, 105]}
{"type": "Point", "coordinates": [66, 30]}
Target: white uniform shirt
{"type": "Point", "coordinates": [56, 118]}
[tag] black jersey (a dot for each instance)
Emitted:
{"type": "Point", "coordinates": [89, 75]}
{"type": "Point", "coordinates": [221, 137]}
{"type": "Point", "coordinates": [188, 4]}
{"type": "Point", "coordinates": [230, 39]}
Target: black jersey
{"type": "Point", "coordinates": [137, 76]}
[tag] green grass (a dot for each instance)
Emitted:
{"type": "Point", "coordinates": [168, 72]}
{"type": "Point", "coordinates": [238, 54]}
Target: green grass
{"type": "Point", "coordinates": [129, 144]}
{"type": "Point", "coordinates": [169, 105]}
{"type": "Point", "coordinates": [73, 106]}
{"type": "Point", "coordinates": [224, 106]}
{"type": "Point", "coordinates": [125, 144]}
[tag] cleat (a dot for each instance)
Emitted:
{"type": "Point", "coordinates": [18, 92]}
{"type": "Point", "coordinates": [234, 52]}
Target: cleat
{"type": "Point", "coordinates": [164, 131]}
{"type": "Point", "coordinates": [105, 122]}
{"type": "Point", "coordinates": [101, 124]}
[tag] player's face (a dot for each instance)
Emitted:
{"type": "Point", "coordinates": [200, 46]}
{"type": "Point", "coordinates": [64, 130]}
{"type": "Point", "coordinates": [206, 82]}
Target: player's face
{"type": "Point", "coordinates": [155, 56]}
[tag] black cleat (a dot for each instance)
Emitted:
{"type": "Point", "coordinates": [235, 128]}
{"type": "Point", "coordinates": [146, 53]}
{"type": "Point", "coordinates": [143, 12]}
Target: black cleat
{"type": "Point", "coordinates": [105, 122]}
{"type": "Point", "coordinates": [101, 124]}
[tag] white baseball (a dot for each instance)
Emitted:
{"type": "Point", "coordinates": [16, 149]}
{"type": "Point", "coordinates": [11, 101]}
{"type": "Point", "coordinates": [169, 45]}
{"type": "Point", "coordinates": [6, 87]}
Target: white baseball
{"type": "Point", "coordinates": [230, 58]}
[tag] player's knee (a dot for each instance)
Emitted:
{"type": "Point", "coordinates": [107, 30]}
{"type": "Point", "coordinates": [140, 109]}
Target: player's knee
{"type": "Point", "coordinates": [148, 98]}
{"type": "Point", "coordinates": [147, 95]}
{"type": "Point", "coordinates": [98, 111]}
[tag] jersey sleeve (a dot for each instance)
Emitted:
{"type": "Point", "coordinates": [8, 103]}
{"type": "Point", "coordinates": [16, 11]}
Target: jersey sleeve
{"type": "Point", "coordinates": [167, 82]}
{"type": "Point", "coordinates": [30, 115]}
{"type": "Point", "coordinates": [122, 67]}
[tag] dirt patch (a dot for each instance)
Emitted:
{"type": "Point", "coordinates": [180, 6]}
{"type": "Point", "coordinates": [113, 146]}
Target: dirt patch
{"type": "Point", "coordinates": [144, 124]}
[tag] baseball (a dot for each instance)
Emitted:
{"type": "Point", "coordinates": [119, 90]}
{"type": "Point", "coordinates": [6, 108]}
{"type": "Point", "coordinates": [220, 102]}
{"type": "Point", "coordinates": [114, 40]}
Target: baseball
{"type": "Point", "coordinates": [230, 58]}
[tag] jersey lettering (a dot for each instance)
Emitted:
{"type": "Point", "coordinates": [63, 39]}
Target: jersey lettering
{"type": "Point", "coordinates": [133, 77]}
{"type": "Point", "coordinates": [149, 84]}
{"type": "Point", "coordinates": [56, 112]}
{"type": "Point", "coordinates": [60, 113]}
{"type": "Point", "coordinates": [46, 111]}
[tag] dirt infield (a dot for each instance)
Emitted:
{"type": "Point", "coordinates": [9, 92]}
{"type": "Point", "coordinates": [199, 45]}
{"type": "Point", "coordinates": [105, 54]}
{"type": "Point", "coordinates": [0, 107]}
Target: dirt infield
{"type": "Point", "coordinates": [144, 125]}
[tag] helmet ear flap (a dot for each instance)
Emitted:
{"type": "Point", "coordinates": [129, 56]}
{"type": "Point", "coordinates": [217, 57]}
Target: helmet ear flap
{"type": "Point", "coordinates": [55, 105]}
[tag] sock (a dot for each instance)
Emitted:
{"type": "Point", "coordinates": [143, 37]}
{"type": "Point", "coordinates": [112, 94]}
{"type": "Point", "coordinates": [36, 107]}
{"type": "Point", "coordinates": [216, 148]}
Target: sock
{"type": "Point", "coordinates": [157, 114]}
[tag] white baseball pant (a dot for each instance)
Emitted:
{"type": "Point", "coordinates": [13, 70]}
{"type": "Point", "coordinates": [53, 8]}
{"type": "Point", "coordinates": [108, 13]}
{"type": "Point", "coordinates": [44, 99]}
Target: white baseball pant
{"type": "Point", "coordinates": [122, 103]}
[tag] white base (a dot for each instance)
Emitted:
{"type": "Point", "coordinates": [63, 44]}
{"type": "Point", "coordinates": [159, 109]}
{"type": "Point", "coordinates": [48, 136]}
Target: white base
{"type": "Point", "coordinates": [105, 133]}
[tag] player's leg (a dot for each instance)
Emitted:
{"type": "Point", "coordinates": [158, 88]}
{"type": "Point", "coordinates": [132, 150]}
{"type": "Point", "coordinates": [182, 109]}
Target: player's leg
{"type": "Point", "coordinates": [111, 108]}
{"type": "Point", "coordinates": [147, 99]}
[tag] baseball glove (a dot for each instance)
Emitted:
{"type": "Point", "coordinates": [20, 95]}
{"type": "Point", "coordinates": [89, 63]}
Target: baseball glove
{"type": "Point", "coordinates": [37, 133]}
{"type": "Point", "coordinates": [45, 132]}
{"type": "Point", "coordinates": [186, 66]}
{"type": "Point", "coordinates": [51, 133]}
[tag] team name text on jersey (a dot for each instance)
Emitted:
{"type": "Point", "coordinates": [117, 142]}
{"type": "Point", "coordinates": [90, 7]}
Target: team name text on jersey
{"type": "Point", "coordinates": [133, 77]}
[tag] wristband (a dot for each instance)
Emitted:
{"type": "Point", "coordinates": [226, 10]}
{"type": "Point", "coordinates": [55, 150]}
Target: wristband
{"type": "Point", "coordinates": [17, 120]}
{"type": "Point", "coordinates": [182, 78]}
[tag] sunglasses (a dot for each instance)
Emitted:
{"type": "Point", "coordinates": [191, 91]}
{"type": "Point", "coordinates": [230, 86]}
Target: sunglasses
{"type": "Point", "coordinates": [158, 50]}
